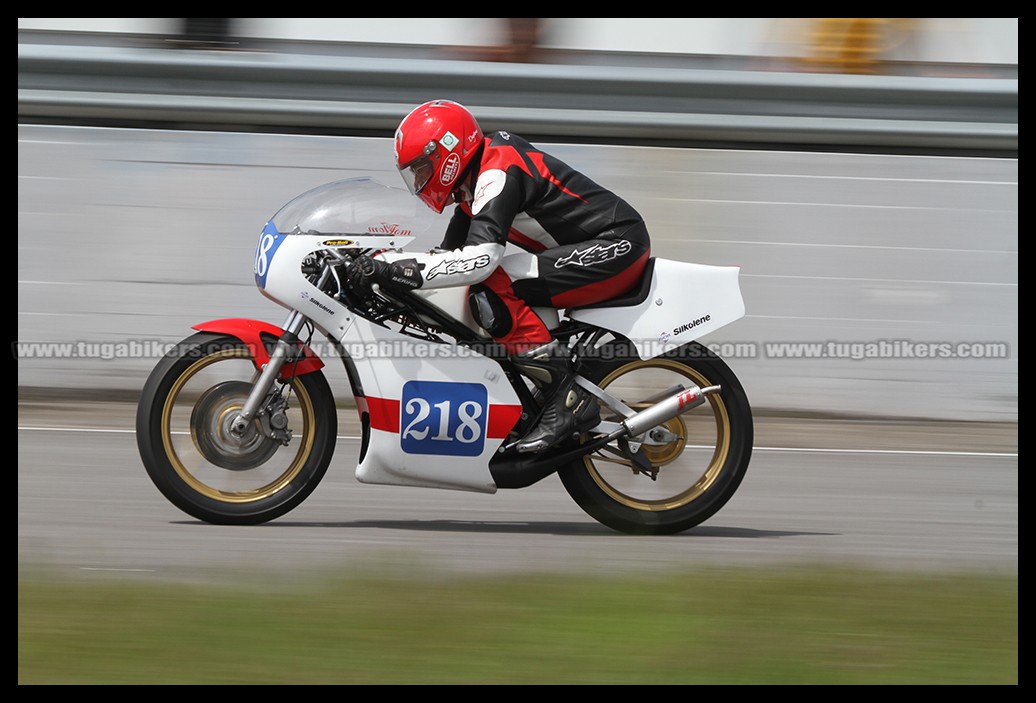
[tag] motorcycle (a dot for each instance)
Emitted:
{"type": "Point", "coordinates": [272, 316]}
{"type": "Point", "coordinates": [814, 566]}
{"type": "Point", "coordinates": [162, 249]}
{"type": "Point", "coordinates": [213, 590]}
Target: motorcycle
{"type": "Point", "coordinates": [237, 424]}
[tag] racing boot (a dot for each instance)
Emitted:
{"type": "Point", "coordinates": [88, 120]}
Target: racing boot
{"type": "Point", "coordinates": [568, 408]}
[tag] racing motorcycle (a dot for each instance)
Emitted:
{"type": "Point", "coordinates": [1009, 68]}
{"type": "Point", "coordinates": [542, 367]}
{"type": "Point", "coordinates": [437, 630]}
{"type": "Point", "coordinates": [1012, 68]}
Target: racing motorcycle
{"type": "Point", "coordinates": [237, 424]}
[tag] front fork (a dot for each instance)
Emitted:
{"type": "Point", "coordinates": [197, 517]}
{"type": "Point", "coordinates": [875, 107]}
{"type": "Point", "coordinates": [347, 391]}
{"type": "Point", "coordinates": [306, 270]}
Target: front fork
{"type": "Point", "coordinates": [286, 346]}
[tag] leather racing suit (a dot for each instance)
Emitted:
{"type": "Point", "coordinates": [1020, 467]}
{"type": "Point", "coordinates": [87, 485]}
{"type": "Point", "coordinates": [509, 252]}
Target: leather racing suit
{"type": "Point", "coordinates": [536, 232]}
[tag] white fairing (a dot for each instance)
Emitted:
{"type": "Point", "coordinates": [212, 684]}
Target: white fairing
{"type": "Point", "coordinates": [686, 302]}
{"type": "Point", "coordinates": [453, 302]}
{"type": "Point", "coordinates": [279, 276]}
{"type": "Point", "coordinates": [438, 412]}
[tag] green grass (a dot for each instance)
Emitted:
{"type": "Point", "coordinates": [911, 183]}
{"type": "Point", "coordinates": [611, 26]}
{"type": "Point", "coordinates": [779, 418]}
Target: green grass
{"type": "Point", "coordinates": [719, 626]}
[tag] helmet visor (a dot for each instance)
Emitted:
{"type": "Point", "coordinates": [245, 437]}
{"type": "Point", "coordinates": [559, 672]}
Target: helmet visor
{"type": "Point", "coordinates": [417, 173]}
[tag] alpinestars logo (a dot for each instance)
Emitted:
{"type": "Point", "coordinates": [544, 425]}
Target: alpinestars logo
{"type": "Point", "coordinates": [450, 267]}
{"type": "Point", "coordinates": [594, 254]}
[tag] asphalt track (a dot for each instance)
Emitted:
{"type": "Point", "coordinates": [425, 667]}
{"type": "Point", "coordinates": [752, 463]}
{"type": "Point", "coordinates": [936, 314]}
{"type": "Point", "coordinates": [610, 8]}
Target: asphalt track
{"type": "Point", "coordinates": [935, 496]}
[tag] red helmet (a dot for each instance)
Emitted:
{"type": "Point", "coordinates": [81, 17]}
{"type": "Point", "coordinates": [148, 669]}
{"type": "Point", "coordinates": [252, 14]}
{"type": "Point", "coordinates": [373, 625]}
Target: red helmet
{"type": "Point", "coordinates": [434, 145]}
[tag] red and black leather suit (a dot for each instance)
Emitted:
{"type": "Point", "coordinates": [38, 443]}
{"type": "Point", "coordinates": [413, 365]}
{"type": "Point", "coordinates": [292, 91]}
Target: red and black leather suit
{"type": "Point", "coordinates": [536, 232]}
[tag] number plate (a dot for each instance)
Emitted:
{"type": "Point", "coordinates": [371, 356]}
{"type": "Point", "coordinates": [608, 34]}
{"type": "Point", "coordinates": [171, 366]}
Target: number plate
{"type": "Point", "coordinates": [269, 241]}
{"type": "Point", "coordinates": [443, 418]}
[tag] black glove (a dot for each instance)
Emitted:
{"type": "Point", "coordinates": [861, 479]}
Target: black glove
{"type": "Point", "coordinates": [399, 275]}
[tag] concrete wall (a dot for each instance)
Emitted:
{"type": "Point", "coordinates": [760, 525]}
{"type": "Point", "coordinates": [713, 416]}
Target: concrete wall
{"type": "Point", "coordinates": [131, 236]}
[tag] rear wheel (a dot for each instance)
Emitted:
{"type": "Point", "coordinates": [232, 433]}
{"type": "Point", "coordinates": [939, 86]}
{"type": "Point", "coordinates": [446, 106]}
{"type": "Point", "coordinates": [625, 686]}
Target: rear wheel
{"type": "Point", "coordinates": [183, 433]}
{"type": "Point", "coordinates": [691, 465]}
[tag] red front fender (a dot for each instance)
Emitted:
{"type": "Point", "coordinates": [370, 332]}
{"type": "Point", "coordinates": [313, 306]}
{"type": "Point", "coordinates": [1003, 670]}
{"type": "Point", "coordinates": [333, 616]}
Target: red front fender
{"type": "Point", "coordinates": [252, 333]}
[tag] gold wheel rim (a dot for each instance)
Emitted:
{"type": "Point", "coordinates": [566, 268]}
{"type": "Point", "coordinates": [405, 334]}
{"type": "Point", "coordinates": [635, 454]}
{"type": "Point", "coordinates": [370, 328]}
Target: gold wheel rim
{"type": "Point", "coordinates": [663, 456]}
{"type": "Point", "coordinates": [286, 477]}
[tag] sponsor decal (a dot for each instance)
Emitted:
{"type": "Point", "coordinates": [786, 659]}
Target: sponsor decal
{"type": "Point", "coordinates": [686, 397]}
{"type": "Point", "coordinates": [452, 266]}
{"type": "Point", "coordinates": [337, 242]}
{"type": "Point", "coordinates": [386, 228]}
{"type": "Point", "coordinates": [306, 296]}
{"type": "Point", "coordinates": [594, 254]}
{"type": "Point", "coordinates": [450, 169]}
{"type": "Point", "coordinates": [443, 418]}
{"type": "Point", "coordinates": [406, 273]}
{"type": "Point", "coordinates": [692, 324]}
{"type": "Point", "coordinates": [449, 141]}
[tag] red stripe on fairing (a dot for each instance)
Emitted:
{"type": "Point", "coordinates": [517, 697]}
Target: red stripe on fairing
{"type": "Point", "coordinates": [384, 414]}
{"type": "Point", "coordinates": [502, 419]}
{"type": "Point", "coordinates": [537, 158]}
{"type": "Point", "coordinates": [524, 241]}
{"type": "Point", "coordinates": [602, 290]}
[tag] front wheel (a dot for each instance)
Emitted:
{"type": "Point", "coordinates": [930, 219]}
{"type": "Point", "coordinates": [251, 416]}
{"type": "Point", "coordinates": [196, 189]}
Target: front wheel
{"type": "Point", "coordinates": [689, 466]}
{"type": "Point", "coordinates": [184, 418]}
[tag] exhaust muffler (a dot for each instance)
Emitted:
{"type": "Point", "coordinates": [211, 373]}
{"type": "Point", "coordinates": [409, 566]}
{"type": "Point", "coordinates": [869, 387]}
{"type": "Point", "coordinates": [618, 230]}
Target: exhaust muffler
{"type": "Point", "coordinates": [663, 411]}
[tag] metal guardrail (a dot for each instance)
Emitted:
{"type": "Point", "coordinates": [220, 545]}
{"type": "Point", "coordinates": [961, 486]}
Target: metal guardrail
{"type": "Point", "coordinates": [646, 105]}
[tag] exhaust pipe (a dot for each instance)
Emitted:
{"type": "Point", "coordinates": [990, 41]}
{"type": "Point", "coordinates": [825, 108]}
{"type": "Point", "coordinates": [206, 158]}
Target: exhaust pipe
{"type": "Point", "coordinates": [663, 411]}
{"type": "Point", "coordinates": [521, 473]}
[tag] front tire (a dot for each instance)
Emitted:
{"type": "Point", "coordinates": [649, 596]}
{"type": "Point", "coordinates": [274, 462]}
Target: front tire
{"type": "Point", "coordinates": [183, 420]}
{"type": "Point", "coordinates": [698, 458]}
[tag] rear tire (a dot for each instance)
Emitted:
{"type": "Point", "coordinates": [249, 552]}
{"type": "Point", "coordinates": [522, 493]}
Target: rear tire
{"type": "Point", "coordinates": [700, 457]}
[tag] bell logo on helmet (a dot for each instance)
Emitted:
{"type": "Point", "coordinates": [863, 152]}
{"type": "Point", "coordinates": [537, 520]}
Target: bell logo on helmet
{"type": "Point", "coordinates": [448, 141]}
{"type": "Point", "coordinates": [450, 169]}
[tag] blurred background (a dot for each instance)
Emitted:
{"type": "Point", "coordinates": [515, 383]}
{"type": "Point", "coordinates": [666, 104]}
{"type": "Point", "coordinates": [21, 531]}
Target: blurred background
{"type": "Point", "coordinates": [863, 172]}
{"type": "Point", "coordinates": [946, 46]}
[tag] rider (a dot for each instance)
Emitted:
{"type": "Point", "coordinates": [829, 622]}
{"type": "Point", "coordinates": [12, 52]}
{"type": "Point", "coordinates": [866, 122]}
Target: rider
{"type": "Point", "coordinates": [574, 243]}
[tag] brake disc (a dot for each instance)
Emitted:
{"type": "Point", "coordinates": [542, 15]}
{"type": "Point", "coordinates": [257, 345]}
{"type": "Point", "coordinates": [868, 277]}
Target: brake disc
{"type": "Point", "coordinates": [211, 420]}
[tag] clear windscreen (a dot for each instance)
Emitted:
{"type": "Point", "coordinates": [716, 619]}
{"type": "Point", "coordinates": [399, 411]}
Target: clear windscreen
{"type": "Point", "coordinates": [359, 206]}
